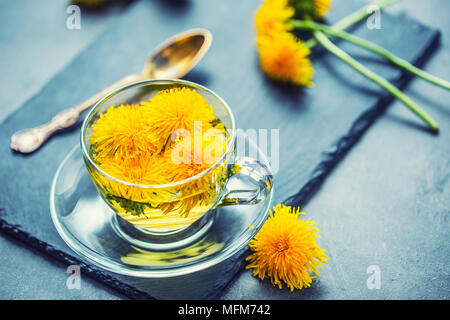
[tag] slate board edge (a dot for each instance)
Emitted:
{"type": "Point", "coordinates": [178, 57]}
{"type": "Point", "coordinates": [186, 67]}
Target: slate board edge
{"type": "Point", "coordinates": [317, 178]}
{"type": "Point", "coordinates": [16, 232]}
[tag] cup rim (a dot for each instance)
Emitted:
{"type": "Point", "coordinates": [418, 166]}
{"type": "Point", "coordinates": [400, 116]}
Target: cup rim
{"type": "Point", "coordinates": [93, 109]}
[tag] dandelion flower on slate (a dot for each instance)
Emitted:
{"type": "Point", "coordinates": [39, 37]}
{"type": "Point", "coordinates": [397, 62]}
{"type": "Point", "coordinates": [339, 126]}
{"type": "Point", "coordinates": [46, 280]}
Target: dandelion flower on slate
{"type": "Point", "coordinates": [271, 16]}
{"type": "Point", "coordinates": [311, 9]}
{"type": "Point", "coordinates": [286, 250]}
{"type": "Point", "coordinates": [89, 3]}
{"type": "Point", "coordinates": [321, 7]}
{"type": "Point", "coordinates": [285, 58]}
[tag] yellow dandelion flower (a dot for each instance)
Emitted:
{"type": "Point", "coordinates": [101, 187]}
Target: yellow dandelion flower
{"type": "Point", "coordinates": [177, 108]}
{"type": "Point", "coordinates": [286, 249]}
{"type": "Point", "coordinates": [271, 16]}
{"type": "Point", "coordinates": [311, 9]}
{"type": "Point", "coordinates": [89, 3]}
{"type": "Point", "coordinates": [186, 159]}
{"type": "Point", "coordinates": [122, 133]}
{"type": "Point", "coordinates": [321, 7]}
{"type": "Point", "coordinates": [285, 58]}
{"type": "Point", "coordinates": [144, 170]}
{"type": "Point", "coordinates": [134, 143]}
{"type": "Point", "coordinates": [189, 157]}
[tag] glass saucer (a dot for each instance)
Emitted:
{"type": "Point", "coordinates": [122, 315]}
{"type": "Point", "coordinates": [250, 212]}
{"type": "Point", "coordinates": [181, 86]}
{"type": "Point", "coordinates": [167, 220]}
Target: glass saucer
{"type": "Point", "coordinates": [92, 229]}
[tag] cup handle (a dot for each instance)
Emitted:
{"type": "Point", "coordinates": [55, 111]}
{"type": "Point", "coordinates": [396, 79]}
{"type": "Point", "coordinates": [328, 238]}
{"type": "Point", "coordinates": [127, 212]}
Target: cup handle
{"type": "Point", "coordinates": [249, 182]}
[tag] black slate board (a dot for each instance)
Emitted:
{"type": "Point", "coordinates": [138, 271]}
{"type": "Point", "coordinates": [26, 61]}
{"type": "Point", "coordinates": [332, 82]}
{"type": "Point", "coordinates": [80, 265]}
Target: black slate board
{"type": "Point", "coordinates": [317, 126]}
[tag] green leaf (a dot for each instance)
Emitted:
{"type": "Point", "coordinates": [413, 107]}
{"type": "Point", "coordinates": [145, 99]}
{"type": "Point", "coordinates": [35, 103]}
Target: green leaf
{"type": "Point", "coordinates": [132, 207]}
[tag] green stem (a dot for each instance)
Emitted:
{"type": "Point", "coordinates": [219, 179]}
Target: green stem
{"type": "Point", "coordinates": [353, 18]}
{"type": "Point", "coordinates": [324, 41]}
{"type": "Point", "coordinates": [310, 25]}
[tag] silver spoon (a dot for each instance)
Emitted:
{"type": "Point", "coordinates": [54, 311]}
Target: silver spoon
{"type": "Point", "coordinates": [173, 58]}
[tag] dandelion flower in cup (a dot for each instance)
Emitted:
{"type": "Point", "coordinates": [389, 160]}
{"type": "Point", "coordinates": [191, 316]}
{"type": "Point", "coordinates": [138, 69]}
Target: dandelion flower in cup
{"type": "Point", "coordinates": [177, 108]}
{"type": "Point", "coordinates": [286, 250]}
{"type": "Point", "coordinates": [285, 58]}
{"type": "Point", "coordinates": [123, 133]}
{"type": "Point", "coordinates": [134, 143]}
{"type": "Point", "coordinates": [271, 16]}
{"type": "Point", "coordinates": [189, 157]}
{"type": "Point", "coordinates": [146, 170]}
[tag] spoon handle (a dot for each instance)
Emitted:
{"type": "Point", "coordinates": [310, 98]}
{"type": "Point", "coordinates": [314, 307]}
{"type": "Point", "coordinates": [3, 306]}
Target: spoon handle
{"type": "Point", "coordinates": [29, 140]}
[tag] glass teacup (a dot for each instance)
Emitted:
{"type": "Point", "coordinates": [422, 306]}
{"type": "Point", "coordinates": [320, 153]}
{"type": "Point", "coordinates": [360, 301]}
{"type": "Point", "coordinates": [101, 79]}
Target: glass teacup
{"type": "Point", "coordinates": [174, 212]}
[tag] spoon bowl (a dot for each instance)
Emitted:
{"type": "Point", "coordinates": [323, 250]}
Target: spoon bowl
{"type": "Point", "coordinates": [175, 57]}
